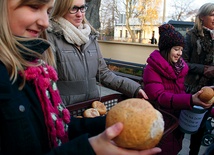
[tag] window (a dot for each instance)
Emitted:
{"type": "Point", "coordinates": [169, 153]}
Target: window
{"type": "Point", "coordinates": [121, 33]}
{"type": "Point", "coordinates": [122, 19]}
{"type": "Point", "coordinates": [126, 34]}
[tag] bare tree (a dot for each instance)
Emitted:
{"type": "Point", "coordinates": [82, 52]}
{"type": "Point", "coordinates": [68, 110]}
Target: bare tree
{"type": "Point", "coordinates": [182, 9]}
{"type": "Point", "coordinates": [109, 15]}
{"type": "Point", "coordinates": [141, 15]}
{"type": "Point", "coordinates": [130, 13]}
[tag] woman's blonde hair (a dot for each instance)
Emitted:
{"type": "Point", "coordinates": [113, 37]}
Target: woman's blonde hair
{"type": "Point", "coordinates": [204, 10]}
{"type": "Point", "coordinates": [10, 47]}
{"type": "Point", "coordinates": [62, 7]}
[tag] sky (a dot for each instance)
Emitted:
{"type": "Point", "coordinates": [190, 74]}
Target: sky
{"type": "Point", "coordinates": [201, 2]}
{"type": "Point", "coordinates": [196, 4]}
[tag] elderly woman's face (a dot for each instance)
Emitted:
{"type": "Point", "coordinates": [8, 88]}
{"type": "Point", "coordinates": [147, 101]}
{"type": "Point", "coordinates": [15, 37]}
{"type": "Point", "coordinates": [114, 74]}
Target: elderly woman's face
{"type": "Point", "coordinates": [208, 21]}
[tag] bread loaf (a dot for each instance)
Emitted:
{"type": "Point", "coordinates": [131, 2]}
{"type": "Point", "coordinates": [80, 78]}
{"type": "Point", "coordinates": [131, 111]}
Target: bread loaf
{"type": "Point", "coordinates": [143, 125]}
{"type": "Point", "coordinates": [207, 95]}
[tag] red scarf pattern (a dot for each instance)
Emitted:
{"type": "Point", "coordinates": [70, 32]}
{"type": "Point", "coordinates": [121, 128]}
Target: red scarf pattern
{"type": "Point", "coordinates": [56, 115]}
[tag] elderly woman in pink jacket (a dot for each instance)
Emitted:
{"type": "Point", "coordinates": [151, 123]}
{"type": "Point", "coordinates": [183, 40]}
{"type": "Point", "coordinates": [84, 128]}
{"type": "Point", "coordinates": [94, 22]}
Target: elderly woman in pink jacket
{"type": "Point", "coordinates": [164, 83]}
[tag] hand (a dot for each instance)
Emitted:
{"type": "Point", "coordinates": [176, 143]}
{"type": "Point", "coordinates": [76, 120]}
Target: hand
{"type": "Point", "coordinates": [209, 71]}
{"type": "Point", "coordinates": [197, 101]}
{"type": "Point", "coordinates": [142, 94]}
{"type": "Point", "coordinates": [103, 144]}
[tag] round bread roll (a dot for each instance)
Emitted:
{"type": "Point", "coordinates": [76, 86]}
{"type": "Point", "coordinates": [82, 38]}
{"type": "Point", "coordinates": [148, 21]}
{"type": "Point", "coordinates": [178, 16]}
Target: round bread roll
{"type": "Point", "coordinates": [207, 95]}
{"type": "Point", "coordinates": [100, 107]}
{"type": "Point", "coordinates": [91, 113]}
{"type": "Point", "coordinates": [143, 124]}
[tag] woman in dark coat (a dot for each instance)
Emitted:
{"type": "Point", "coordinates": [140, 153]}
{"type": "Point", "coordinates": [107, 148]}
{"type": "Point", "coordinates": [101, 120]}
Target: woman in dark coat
{"type": "Point", "coordinates": [199, 55]}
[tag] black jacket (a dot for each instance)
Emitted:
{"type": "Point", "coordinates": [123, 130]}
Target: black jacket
{"type": "Point", "coordinates": [198, 52]}
{"type": "Point", "coordinates": [22, 127]}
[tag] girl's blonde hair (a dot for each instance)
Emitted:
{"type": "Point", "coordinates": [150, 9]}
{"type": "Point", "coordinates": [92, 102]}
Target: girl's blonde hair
{"type": "Point", "coordinates": [10, 47]}
{"type": "Point", "coordinates": [62, 7]}
{"type": "Point", "coordinates": [204, 10]}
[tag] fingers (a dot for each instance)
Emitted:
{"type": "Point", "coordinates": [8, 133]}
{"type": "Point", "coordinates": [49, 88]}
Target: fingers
{"type": "Point", "coordinates": [150, 151]}
{"type": "Point", "coordinates": [142, 94]}
{"type": "Point", "coordinates": [212, 87]}
{"type": "Point", "coordinates": [198, 102]}
{"type": "Point", "coordinates": [115, 130]}
{"type": "Point", "coordinates": [145, 96]}
{"type": "Point", "coordinates": [209, 72]}
{"type": "Point", "coordinates": [102, 143]}
{"type": "Point", "coordinates": [203, 104]}
{"type": "Point", "coordinates": [112, 131]}
{"type": "Point", "coordinates": [207, 105]}
{"type": "Point", "coordinates": [198, 93]}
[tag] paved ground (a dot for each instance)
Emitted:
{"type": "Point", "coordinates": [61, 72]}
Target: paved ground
{"type": "Point", "coordinates": [185, 150]}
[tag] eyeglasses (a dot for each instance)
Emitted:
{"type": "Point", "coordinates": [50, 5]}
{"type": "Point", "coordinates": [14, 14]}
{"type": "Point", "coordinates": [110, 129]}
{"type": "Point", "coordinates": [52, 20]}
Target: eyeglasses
{"type": "Point", "coordinates": [75, 9]}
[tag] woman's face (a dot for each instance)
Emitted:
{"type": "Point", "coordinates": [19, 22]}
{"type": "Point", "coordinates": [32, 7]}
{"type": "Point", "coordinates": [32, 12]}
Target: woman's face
{"type": "Point", "coordinates": [76, 18]}
{"type": "Point", "coordinates": [175, 53]}
{"type": "Point", "coordinates": [28, 20]}
{"type": "Point", "coordinates": [208, 21]}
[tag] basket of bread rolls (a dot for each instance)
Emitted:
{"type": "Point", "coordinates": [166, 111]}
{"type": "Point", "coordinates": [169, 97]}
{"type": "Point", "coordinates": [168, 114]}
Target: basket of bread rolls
{"type": "Point", "coordinates": [95, 107]}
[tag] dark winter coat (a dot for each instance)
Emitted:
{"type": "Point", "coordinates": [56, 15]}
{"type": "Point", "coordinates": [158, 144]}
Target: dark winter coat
{"type": "Point", "coordinates": [79, 70]}
{"type": "Point", "coordinates": [198, 52]}
{"type": "Point", "coordinates": [22, 126]}
{"type": "Point", "coordinates": [165, 88]}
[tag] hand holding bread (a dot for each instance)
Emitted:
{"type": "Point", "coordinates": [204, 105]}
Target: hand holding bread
{"type": "Point", "coordinates": [102, 143]}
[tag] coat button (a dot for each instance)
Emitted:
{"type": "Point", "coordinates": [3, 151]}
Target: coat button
{"type": "Point", "coordinates": [21, 108]}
